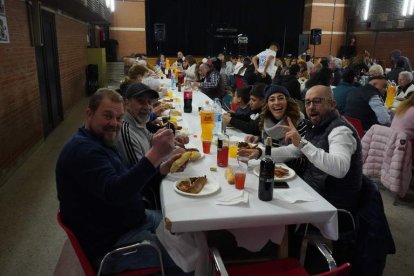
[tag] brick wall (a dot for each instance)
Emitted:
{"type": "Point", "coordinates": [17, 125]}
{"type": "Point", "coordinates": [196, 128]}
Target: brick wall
{"type": "Point", "coordinates": [20, 119]}
{"type": "Point", "coordinates": [328, 15]}
{"type": "Point", "coordinates": [386, 29]}
{"type": "Point", "coordinates": [72, 45]}
{"type": "Point", "coordinates": [128, 27]}
{"type": "Point", "coordinates": [20, 114]}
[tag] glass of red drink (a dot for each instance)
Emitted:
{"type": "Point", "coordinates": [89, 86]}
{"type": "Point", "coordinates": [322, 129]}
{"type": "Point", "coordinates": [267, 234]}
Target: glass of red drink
{"type": "Point", "coordinates": [206, 146]}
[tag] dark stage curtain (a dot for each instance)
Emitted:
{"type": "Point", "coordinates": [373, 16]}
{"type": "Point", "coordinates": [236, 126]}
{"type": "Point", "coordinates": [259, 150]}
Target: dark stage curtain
{"type": "Point", "coordinates": [189, 23]}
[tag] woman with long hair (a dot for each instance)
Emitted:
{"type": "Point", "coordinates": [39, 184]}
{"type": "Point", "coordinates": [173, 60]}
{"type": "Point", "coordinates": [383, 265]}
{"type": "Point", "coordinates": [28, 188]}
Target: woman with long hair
{"type": "Point", "coordinates": [278, 108]}
{"type": "Point", "coordinates": [404, 117]}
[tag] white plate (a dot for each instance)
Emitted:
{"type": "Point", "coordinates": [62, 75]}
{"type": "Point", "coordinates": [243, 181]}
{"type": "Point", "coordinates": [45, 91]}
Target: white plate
{"type": "Point", "coordinates": [291, 174]}
{"type": "Point", "coordinates": [208, 189]}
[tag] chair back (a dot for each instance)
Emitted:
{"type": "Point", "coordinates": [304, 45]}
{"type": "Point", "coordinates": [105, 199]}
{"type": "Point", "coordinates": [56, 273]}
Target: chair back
{"type": "Point", "coordinates": [357, 125]}
{"type": "Point", "coordinates": [239, 82]}
{"type": "Point", "coordinates": [86, 265]}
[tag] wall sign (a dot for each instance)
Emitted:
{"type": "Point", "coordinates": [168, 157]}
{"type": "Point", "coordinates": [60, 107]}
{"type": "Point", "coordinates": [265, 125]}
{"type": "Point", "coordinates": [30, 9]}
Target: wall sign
{"type": "Point", "coordinates": [4, 30]}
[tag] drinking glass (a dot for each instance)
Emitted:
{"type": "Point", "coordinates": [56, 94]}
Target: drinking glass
{"type": "Point", "coordinates": [240, 175]}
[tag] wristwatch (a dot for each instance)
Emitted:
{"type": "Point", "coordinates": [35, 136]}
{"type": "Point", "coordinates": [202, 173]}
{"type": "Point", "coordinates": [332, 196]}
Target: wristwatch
{"type": "Point", "coordinates": [302, 143]}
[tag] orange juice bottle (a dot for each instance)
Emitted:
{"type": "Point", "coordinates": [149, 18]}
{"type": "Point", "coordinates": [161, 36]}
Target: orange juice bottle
{"type": "Point", "coordinates": [389, 100]}
{"type": "Point", "coordinates": [207, 122]}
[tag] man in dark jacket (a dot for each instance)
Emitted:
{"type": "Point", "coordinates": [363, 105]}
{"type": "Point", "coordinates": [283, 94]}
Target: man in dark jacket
{"type": "Point", "coordinates": [365, 103]}
{"type": "Point", "coordinates": [290, 82]}
{"type": "Point", "coordinates": [100, 199]}
{"type": "Point", "coordinates": [396, 55]}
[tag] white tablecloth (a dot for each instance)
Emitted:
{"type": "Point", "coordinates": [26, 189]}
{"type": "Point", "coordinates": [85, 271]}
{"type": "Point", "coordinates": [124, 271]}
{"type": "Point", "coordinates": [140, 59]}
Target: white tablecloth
{"type": "Point", "coordinates": [254, 223]}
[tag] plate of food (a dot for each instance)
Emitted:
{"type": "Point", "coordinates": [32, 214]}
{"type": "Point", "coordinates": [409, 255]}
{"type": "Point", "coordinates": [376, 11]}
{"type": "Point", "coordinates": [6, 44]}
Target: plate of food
{"type": "Point", "coordinates": [282, 172]}
{"type": "Point", "coordinates": [196, 186]}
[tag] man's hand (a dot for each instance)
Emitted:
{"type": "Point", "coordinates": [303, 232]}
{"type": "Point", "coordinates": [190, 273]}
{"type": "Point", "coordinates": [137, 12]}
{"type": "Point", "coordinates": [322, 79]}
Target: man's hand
{"type": "Point", "coordinates": [159, 109]}
{"type": "Point", "coordinates": [162, 146]}
{"type": "Point", "coordinates": [226, 118]}
{"type": "Point", "coordinates": [251, 153]}
{"type": "Point", "coordinates": [292, 135]}
{"type": "Point", "coordinates": [181, 140]}
{"type": "Point", "coordinates": [264, 74]}
{"type": "Point", "coordinates": [251, 139]}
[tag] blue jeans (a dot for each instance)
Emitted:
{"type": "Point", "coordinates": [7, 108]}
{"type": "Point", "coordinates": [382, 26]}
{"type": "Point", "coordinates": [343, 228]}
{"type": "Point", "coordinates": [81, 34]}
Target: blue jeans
{"type": "Point", "coordinates": [145, 256]}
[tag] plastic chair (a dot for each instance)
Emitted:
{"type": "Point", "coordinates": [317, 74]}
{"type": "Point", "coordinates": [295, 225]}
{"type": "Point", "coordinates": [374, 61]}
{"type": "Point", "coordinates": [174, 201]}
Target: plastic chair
{"type": "Point", "coordinates": [280, 267]}
{"type": "Point", "coordinates": [357, 125]}
{"type": "Point", "coordinates": [239, 81]}
{"type": "Point", "coordinates": [88, 267]}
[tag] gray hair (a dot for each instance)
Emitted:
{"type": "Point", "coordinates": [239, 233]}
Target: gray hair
{"type": "Point", "coordinates": [376, 70]}
{"type": "Point", "coordinates": [338, 62]}
{"type": "Point", "coordinates": [408, 75]}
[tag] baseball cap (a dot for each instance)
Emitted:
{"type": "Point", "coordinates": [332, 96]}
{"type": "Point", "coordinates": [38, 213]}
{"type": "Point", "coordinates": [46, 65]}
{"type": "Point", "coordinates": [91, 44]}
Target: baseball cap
{"type": "Point", "coordinates": [138, 89]}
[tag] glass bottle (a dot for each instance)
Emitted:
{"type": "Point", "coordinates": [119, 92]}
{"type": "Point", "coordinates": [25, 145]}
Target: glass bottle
{"type": "Point", "coordinates": [267, 173]}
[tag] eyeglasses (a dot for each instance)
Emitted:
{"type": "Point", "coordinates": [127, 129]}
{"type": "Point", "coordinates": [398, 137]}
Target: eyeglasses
{"type": "Point", "coordinates": [316, 101]}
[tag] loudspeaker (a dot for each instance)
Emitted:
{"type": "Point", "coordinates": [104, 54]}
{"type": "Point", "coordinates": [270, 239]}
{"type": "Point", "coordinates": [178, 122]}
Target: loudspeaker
{"type": "Point", "coordinates": [159, 32]}
{"type": "Point", "coordinates": [315, 37]}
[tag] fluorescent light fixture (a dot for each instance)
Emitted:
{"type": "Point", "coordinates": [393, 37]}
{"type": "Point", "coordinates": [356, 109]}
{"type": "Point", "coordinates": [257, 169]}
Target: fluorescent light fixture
{"type": "Point", "coordinates": [405, 8]}
{"type": "Point", "coordinates": [367, 2]}
{"type": "Point", "coordinates": [411, 9]}
{"type": "Point", "coordinates": [112, 5]}
{"type": "Point", "coordinates": [107, 2]}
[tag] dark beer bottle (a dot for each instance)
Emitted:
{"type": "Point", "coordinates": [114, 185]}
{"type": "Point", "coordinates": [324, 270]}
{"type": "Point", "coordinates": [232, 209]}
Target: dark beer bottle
{"type": "Point", "coordinates": [267, 173]}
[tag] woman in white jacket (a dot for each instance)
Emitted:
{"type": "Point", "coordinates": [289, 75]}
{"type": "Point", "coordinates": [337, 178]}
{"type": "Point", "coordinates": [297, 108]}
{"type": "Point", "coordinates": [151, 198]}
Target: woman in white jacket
{"type": "Point", "coordinates": [189, 73]}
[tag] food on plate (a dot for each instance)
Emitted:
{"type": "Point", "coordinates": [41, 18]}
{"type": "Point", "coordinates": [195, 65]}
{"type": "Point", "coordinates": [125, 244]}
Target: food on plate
{"type": "Point", "coordinates": [179, 127]}
{"type": "Point", "coordinates": [175, 113]}
{"type": "Point", "coordinates": [195, 155]}
{"type": "Point", "coordinates": [245, 145]}
{"type": "Point", "coordinates": [167, 100]}
{"type": "Point", "coordinates": [193, 185]}
{"type": "Point", "coordinates": [180, 162]}
{"type": "Point", "coordinates": [167, 106]}
{"type": "Point", "coordinates": [213, 169]}
{"type": "Point", "coordinates": [229, 175]}
{"type": "Point", "coordinates": [281, 172]}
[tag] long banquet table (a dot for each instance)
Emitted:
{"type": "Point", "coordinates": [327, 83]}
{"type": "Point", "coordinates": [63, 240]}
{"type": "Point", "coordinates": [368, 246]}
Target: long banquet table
{"type": "Point", "coordinates": [252, 223]}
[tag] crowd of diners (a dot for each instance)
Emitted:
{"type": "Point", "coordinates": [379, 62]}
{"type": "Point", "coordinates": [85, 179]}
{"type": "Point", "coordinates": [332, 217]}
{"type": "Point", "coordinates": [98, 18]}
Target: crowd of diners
{"type": "Point", "coordinates": [109, 170]}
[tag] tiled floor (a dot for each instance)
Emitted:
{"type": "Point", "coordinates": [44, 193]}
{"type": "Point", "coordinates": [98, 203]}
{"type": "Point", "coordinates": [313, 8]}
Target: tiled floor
{"type": "Point", "coordinates": [31, 240]}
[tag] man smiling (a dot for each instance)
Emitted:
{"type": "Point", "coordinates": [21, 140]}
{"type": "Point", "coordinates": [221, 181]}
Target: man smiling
{"type": "Point", "coordinates": [100, 198]}
{"type": "Point", "coordinates": [332, 147]}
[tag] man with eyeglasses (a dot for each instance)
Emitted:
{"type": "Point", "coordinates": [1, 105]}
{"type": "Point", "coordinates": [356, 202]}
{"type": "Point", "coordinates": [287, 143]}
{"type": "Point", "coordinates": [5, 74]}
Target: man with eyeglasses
{"type": "Point", "coordinates": [332, 149]}
{"type": "Point", "coordinates": [366, 103]}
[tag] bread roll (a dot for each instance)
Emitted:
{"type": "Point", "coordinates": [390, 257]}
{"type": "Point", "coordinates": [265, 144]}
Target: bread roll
{"type": "Point", "coordinates": [229, 175]}
{"type": "Point", "coordinates": [180, 162]}
{"type": "Point", "coordinates": [195, 155]}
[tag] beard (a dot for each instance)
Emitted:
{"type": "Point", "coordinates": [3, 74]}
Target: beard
{"type": "Point", "coordinates": [142, 119]}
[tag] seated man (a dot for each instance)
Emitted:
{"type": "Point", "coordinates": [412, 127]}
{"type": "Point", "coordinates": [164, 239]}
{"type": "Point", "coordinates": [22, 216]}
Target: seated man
{"type": "Point", "coordinates": [100, 199]}
{"type": "Point", "coordinates": [213, 84]}
{"type": "Point", "coordinates": [405, 86]}
{"type": "Point", "coordinates": [332, 147]}
{"type": "Point", "coordinates": [249, 123]}
{"type": "Point", "coordinates": [365, 103]}
{"type": "Point", "coordinates": [136, 139]}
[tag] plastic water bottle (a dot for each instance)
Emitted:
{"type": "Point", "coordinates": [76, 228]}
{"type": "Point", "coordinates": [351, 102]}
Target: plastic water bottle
{"type": "Point", "coordinates": [218, 120]}
{"type": "Point", "coordinates": [172, 79]}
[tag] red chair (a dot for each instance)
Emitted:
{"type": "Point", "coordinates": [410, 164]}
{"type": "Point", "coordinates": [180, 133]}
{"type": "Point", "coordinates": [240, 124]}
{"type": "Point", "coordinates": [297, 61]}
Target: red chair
{"type": "Point", "coordinates": [280, 267]}
{"type": "Point", "coordinates": [357, 125]}
{"type": "Point", "coordinates": [89, 269]}
{"type": "Point", "coordinates": [239, 81]}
